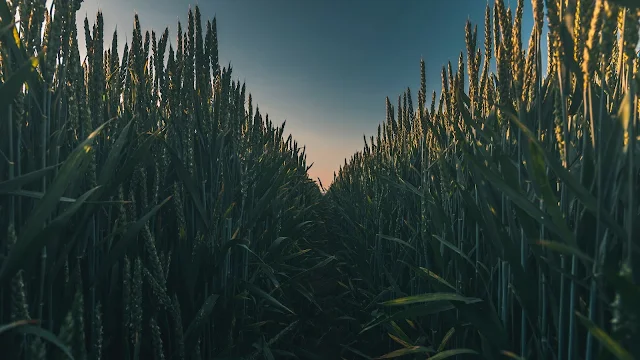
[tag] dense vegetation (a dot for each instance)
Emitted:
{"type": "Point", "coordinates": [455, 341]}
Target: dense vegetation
{"type": "Point", "coordinates": [151, 213]}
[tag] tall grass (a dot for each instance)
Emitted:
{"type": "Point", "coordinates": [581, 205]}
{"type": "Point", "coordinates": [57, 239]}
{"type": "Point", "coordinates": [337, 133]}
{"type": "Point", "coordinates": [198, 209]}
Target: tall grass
{"type": "Point", "coordinates": [502, 219]}
{"type": "Point", "coordinates": [150, 212]}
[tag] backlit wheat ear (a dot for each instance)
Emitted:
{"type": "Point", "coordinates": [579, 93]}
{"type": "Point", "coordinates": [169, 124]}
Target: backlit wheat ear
{"type": "Point", "coordinates": [156, 338]}
{"type": "Point", "coordinates": [518, 54]}
{"type": "Point", "coordinates": [609, 34]}
{"type": "Point", "coordinates": [136, 304]}
{"type": "Point", "coordinates": [97, 333]}
{"type": "Point", "coordinates": [592, 47]}
{"type": "Point", "coordinates": [630, 36]}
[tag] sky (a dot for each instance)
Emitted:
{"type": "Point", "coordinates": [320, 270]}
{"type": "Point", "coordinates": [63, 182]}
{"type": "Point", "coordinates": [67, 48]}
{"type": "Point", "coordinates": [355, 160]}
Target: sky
{"type": "Point", "coordinates": [324, 66]}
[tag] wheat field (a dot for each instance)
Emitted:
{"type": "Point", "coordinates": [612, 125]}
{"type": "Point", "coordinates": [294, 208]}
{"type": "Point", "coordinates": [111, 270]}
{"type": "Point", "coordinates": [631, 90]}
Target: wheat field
{"type": "Point", "coordinates": [151, 212]}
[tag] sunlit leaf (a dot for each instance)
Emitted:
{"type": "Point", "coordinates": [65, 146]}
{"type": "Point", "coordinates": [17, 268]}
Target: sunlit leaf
{"type": "Point", "coordinates": [406, 351]}
{"type": "Point", "coordinates": [416, 299]}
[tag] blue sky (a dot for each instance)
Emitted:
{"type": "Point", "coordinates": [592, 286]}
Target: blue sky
{"type": "Point", "coordinates": [324, 66]}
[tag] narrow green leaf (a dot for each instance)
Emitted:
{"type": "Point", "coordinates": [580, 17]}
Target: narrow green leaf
{"type": "Point", "coordinates": [38, 195]}
{"type": "Point", "coordinates": [261, 293]}
{"type": "Point", "coordinates": [511, 355]}
{"type": "Point", "coordinates": [266, 351]}
{"type": "Point", "coordinates": [356, 351]}
{"type": "Point", "coordinates": [446, 338]}
{"type": "Point", "coordinates": [276, 244]}
{"type": "Point", "coordinates": [413, 312]}
{"type": "Point", "coordinates": [613, 346]}
{"type": "Point", "coordinates": [321, 264]}
{"type": "Point", "coordinates": [416, 299]}
{"type": "Point", "coordinates": [449, 353]}
{"type": "Point", "coordinates": [194, 328]}
{"type": "Point", "coordinates": [407, 351]}
{"type": "Point", "coordinates": [456, 250]}
{"type": "Point", "coordinates": [565, 249]}
{"type": "Point", "coordinates": [15, 324]}
{"type": "Point", "coordinates": [16, 183]}
{"type": "Point", "coordinates": [399, 241]}
{"type": "Point", "coordinates": [399, 335]}
{"type": "Point", "coordinates": [435, 276]}
{"type": "Point", "coordinates": [46, 335]}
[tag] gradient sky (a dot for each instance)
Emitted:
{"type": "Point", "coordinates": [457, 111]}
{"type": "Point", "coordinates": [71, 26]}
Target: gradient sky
{"type": "Point", "coordinates": [324, 66]}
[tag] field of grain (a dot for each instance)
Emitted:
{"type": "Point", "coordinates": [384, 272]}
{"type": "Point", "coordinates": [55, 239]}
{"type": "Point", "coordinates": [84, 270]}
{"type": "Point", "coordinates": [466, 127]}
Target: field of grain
{"type": "Point", "coordinates": [151, 212]}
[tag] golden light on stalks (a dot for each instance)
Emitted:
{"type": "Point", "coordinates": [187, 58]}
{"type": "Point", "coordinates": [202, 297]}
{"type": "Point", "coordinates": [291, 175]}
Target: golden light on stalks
{"type": "Point", "coordinates": [150, 212]}
{"type": "Point", "coordinates": [592, 48]}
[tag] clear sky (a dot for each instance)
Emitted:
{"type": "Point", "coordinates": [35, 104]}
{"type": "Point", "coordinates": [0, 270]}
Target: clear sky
{"type": "Point", "coordinates": [324, 66]}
